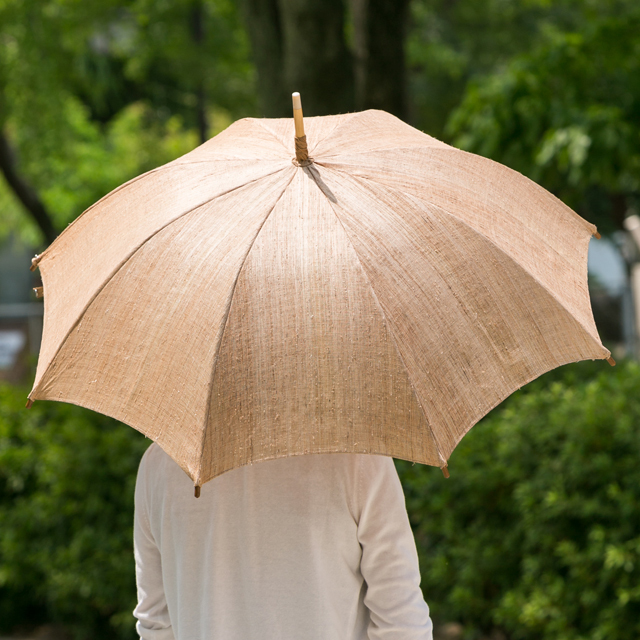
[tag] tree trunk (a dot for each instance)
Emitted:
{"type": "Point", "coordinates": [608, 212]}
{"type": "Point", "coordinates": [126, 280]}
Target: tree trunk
{"type": "Point", "coordinates": [262, 18]}
{"type": "Point", "coordinates": [317, 62]}
{"type": "Point", "coordinates": [25, 192]}
{"type": "Point", "coordinates": [379, 33]}
{"type": "Point", "coordinates": [197, 33]}
{"type": "Point", "coordinates": [300, 45]}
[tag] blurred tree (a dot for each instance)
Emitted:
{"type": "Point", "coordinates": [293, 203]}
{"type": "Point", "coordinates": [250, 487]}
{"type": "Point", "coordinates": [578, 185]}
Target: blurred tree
{"type": "Point", "coordinates": [567, 112]}
{"type": "Point", "coordinates": [340, 56]}
{"type": "Point", "coordinates": [537, 534]}
{"type": "Point", "coordinates": [450, 43]}
{"type": "Point", "coordinates": [530, 98]}
{"type": "Point", "coordinates": [92, 94]}
{"type": "Point", "coordinates": [66, 507]}
{"type": "Point", "coordinates": [379, 31]}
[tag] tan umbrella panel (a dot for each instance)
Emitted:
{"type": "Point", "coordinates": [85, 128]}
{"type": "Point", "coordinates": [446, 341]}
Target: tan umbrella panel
{"type": "Point", "coordinates": [237, 305]}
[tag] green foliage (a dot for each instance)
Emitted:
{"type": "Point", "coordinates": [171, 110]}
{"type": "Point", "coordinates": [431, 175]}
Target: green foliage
{"type": "Point", "coordinates": [94, 93]}
{"type": "Point", "coordinates": [566, 113]}
{"type": "Point", "coordinates": [66, 507]}
{"type": "Point", "coordinates": [92, 160]}
{"type": "Point", "coordinates": [537, 531]}
{"type": "Point", "coordinates": [450, 43]}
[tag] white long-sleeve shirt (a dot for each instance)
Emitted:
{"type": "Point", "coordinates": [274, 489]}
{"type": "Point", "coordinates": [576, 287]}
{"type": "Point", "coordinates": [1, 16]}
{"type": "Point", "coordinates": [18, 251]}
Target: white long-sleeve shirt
{"type": "Point", "coordinates": [314, 547]}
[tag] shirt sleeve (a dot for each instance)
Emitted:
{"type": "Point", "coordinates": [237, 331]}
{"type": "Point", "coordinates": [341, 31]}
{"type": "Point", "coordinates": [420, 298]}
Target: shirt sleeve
{"type": "Point", "coordinates": [152, 611]}
{"type": "Point", "coordinates": [389, 562]}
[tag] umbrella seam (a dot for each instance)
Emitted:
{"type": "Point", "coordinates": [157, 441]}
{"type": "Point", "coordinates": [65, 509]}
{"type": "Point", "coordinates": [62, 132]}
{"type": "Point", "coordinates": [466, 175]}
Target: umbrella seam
{"type": "Point", "coordinates": [353, 115]}
{"type": "Point", "coordinates": [127, 184]}
{"type": "Point", "coordinates": [489, 240]}
{"type": "Point", "coordinates": [387, 325]}
{"type": "Point", "coordinates": [457, 440]}
{"type": "Point", "coordinates": [95, 204]}
{"type": "Point", "coordinates": [312, 144]}
{"type": "Point", "coordinates": [417, 145]}
{"type": "Point", "coordinates": [225, 321]}
{"type": "Point", "coordinates": [265, 128]}
{"type": "Point", "coordinates": [115, 272]}
{"type": "Point", "coordinates": [453, 215]}
{"type": "Point", "coordinates": [453, 150]}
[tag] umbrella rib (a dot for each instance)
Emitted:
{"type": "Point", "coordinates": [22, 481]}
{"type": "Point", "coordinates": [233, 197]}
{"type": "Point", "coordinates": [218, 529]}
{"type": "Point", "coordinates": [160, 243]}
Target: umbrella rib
{"type": "Point", "coordinates": [226, 318]}
{"type": "Point", "coordinates": [363, 181]}
{"type": "Point", "coordinates": [261, 123]}
{"type": "Point", "coordinates": [136, 179]}
{"type": "Point", "coordinates": [448, 149]}
{"type": "Point", "coordinates": [418, 145]}
{"type": "Point", "coordinates": [386, 322]}
{"type": "Point", "coordinates": [508, 257]}
{"type": "Point", "coordinates": [346, 122]}
{"type": "Point", "coordinates": [95, 204]}
{"type": "Point", "coordinates": [131, 255]}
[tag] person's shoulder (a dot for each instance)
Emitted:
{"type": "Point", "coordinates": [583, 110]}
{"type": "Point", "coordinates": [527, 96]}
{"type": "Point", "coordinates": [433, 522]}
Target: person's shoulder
{"type": "Point", "coordinates": [151, 456]}
{"type": "Point", "coordinates": [357, 466]}
{"type": "Point", "coordinates": [374, 470]}
{"type": "Point", "coordinates": [361, 465]}
{"type": "Point", "coordinates": [374, 464]}
{"type": "Point", "coordinates": [154, 462]}
{"type": "Point", "coordinates": [158, 474]}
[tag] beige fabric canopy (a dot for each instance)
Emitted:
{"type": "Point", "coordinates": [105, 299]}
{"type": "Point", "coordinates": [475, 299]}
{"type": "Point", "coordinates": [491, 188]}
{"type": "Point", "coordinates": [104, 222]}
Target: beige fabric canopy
{"type": "Point", "coordinates": [236, 307]}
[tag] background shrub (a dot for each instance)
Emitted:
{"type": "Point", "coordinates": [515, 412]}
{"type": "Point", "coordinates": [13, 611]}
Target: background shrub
{"type": "Point", "coordinates": [537, 533]}
{"type": "Point", "coordinates": [538, 530]}
{"type": "Point", "coordinates": [66, 512]}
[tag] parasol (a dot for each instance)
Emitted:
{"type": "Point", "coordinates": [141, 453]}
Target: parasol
{"type": "Point", "coordinates": [371, 291]}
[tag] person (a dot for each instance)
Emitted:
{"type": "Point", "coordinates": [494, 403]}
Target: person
{"type": "Point", "coordinates": [313, 547]}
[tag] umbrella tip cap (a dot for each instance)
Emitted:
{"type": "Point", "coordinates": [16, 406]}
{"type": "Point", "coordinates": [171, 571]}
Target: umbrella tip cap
{"type": "Point", "coordinates": [445, 471]}
{"type": "Point", "coordinates": [302, 153]}
{"type": "Point", "coordinates": [611, 361]}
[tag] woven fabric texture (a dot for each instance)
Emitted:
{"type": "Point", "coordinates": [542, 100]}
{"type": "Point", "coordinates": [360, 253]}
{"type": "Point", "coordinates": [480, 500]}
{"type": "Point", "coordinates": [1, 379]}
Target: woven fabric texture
{"type": "Point", "coordinates": [235, 307]}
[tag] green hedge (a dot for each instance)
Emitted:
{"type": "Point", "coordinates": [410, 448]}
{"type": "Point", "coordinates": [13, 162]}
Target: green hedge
{"type": "Point", "coordinates": [66, 513]}
{"type": "Point", "coordinates": [537, 532]}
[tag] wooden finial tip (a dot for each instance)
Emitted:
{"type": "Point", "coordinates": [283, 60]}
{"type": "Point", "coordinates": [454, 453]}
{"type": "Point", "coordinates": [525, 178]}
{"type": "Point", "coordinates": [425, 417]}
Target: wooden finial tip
{"type": "Point", "coordinates": [445, 471]}
{"type": "Point", "coordinates": [196, 491]}
{"type": "Point", "coordinates": [596, 235]}
{"type": "Point", "coordinates": [29, 403]}
{"type": "Point", "coordinates": [301, 141]}
{"type": "Point", "coordinates": [34, 263]}
{"type": "Point", "coordinates": [611, 361]}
